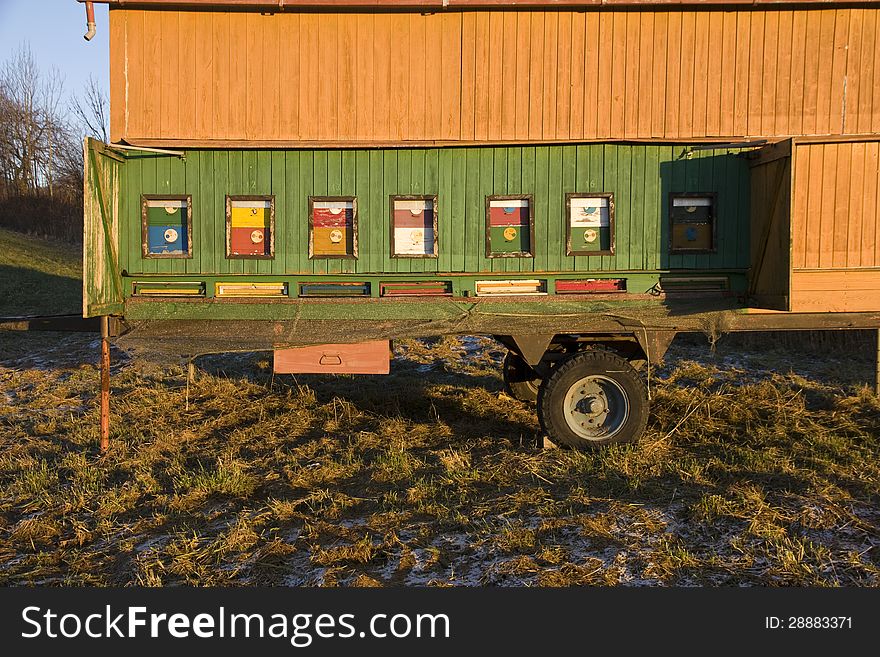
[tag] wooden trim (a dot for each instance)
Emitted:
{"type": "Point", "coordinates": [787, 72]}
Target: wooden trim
{"type": "Point", "coordinates": [831, 280]}
{"type": "Point", "coordinates": [836, 291]}
{"type": "Point", "coordinates": [568, 198]}
{"type": "Point", "coordinates": [354, 228]}
{"type": "Point", "coordinates": [107, 151]}
{"type": "Point", "coordinates": [264, 144]}
{"type": "Point", "coordinates": [229, 199]}
{"type": "Point", "coordinates": [836, 139]}
{"type": "Point", "coordinates": [793, 167]}
{"type": "Point", "coordinates": [813, 270]}
{"type": "Point", "coordinates": [460, 5]}
{"type": "Point", "coordinates": [145, 248]}
{"type": "Point", "coordinates": [411, 197]}
{"type": "Point", "coordinates": [714, 216]}
{"type": "Point", "coordinates": [511, 197]}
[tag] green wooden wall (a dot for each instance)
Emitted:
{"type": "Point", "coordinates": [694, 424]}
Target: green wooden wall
{"type": "Point", "coordinates": [641, 177]}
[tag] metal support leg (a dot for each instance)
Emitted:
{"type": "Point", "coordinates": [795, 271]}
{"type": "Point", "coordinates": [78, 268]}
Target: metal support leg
{"type": "Point", "coordinates": [877, 365]}
{"type": "Point", "coordinates": [105, 383]}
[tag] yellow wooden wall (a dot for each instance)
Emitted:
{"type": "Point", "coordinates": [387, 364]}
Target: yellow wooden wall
{"type": "Point", "coordinates": [385, 78]}
{"type": "Point", "coordinates": [835, 212]}
{"type": "Point", "coordinates": [835, 226]}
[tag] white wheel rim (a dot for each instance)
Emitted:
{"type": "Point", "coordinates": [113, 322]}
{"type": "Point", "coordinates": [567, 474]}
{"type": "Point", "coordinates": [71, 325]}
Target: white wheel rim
{"type": "Point", "coordinates": [596, 407]}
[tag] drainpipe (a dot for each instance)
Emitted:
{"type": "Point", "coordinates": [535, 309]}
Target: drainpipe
{"type": "Point", "coordinates": [90, 21]}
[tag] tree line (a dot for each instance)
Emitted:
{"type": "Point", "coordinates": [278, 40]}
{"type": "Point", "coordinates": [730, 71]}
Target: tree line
{"type": "Point", "coordinates": [41, 156]}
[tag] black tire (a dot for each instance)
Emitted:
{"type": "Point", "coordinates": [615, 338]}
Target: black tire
{"type": "Point", "coordinates": [520, 381]}
{"type": "Point", "coordinates": [607, 404]}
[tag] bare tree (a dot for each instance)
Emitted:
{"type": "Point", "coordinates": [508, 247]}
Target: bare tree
{"type": "Point", "coordinates": [91, 109]}
{"type": "Point", "coordinates": [32, 129]}
{"type": "Point", "coordinates": [40, 152]}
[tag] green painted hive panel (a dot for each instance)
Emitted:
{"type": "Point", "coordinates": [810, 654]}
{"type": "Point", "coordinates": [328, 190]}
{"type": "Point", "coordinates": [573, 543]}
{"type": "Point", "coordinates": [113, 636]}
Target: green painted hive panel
{"type": "Point", "coordinates": [641, 178]}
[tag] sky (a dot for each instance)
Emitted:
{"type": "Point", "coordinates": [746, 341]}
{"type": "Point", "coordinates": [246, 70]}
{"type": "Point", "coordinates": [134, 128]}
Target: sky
{"type": "Point", "coordinates": [54, 31]}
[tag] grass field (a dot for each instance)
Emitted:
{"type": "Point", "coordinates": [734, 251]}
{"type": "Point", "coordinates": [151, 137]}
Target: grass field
{"type": "Point", "coordinates": [750, 473]}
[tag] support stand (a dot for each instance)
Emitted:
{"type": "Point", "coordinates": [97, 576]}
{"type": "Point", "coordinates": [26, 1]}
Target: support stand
{"type": "Point", "coordinates": [877, 365]}
{"type": "Point", "coordinates": [105, 383]}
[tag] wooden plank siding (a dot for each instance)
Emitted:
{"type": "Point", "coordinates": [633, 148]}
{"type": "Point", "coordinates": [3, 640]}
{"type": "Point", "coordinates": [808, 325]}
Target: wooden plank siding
{"type": "Point", "coordinates": [103, 233]}
{"type": "Point", "coordinates": [835, 221]}
{"type": "Point", "coordinates": [640, 176]}
{"type": "Point", "coordinates": [242, 78]}
{"type": "Point", "coordinates": [835, 224]}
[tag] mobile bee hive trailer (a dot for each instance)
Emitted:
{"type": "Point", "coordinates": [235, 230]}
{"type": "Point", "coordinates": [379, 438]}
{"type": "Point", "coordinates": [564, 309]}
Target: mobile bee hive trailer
{"type": "Point", "coordinates": [580, 180]}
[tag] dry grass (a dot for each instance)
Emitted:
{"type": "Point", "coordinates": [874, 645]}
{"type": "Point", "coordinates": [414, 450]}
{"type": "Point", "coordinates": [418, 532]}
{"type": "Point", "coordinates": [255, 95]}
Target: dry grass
{"type": "Point", "coordinates": [433, 476]}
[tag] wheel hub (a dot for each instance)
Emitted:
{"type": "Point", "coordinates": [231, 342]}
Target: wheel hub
{"type": "Point", "coordinates": [596, 407]}
{"type": "Point", "coordinates": [592, 405]}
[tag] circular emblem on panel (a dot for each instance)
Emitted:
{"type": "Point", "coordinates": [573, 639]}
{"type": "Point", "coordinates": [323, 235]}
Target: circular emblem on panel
{"type": "Point", "coordinates": [510, 233]}
{"type": "Point", "coordinates": [335, 210]}
{"type": "Point", "coordinates": [417, 237]}
{"type": "Point", "coordinates": [170, 209]}
{"type": "Point", "coordinates": [415, 211]}
{"type": "Point", "coordinates": [256, 236]}
{"type": "Point", "coordinates": [170, 235]}
{"type": "Point", "coordinates": [336, 236]}
{"type": "Point", "coordinates": [590, 235]}
{"type": "Point", "coordinates": [691, 208]}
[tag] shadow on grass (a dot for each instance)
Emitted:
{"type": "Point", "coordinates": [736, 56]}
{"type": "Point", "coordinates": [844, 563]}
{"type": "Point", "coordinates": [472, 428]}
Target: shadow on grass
{"type": "Point", "coordinates": [482, 422]}
{"type": "Point", "coordinates": [469, 403]}
{"type": "Point", "coordinates": [32, 292]}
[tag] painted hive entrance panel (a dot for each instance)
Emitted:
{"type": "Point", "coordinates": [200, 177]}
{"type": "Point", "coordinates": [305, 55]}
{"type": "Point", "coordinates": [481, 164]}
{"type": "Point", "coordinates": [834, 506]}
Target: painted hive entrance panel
{"type": "Point", "coordinates": [692, 223]}
{"type": "Point", "coordinates": [590, 224]}
{"type": "Point", "coordinates": [414, 227]}
{"type": "Point", "coordinates": [510, 226]}
{"type": "Point", "coordinates": [472, 75]}
{"type": "Point", "coordinates": [250, 227]}
{"type": "Point", "coordinates": [166, 222]}
{"type": "Point", "coordinates": [333, 231]}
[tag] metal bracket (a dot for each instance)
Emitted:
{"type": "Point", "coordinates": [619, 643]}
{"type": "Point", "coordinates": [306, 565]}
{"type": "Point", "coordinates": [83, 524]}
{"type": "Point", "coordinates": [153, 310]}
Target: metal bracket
{"type": "Point", "coordinates": [531, 347]}
{"type": "Point", "coordinates": [654, 343]}
{"type": "Point", "coordinates": [877, 364]}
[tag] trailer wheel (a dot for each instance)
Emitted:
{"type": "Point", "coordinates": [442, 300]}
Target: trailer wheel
{"type": "Point", "coordinates": [520, 381]}
{"type": "Point", "coordinates": [592, 399]}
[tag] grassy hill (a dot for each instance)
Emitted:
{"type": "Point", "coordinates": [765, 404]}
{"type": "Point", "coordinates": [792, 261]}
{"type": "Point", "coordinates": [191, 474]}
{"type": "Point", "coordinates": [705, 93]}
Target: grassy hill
{"type": "Point", "coordinates": [38, 276]}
